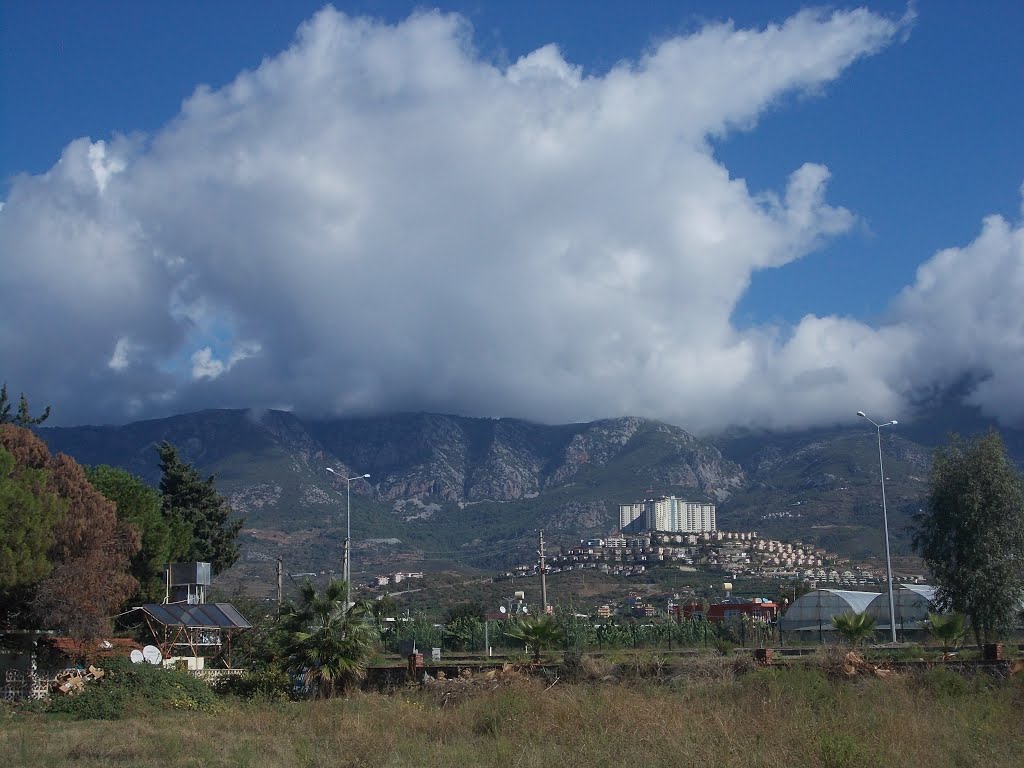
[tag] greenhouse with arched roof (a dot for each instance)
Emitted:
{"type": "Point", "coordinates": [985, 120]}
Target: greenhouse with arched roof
{"type": "Point", "coordinates": [813, 612]}
{"type": "Point", "coordinates": [912, 603]}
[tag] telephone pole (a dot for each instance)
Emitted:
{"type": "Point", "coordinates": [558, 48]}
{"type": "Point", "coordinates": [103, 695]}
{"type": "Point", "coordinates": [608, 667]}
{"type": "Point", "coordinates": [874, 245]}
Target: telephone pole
{"type": "Point", "coordinates": [543, 576]}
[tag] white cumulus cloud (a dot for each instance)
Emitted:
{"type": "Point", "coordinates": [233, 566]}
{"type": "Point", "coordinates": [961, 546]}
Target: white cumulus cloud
{"type": "Point", "coordinates": [378, 218]}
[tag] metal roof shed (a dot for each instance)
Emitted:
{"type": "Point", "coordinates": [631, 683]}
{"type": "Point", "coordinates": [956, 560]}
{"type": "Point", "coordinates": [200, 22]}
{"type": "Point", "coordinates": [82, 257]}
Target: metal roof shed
{"type": "Point", "coordinates": [814, 611]}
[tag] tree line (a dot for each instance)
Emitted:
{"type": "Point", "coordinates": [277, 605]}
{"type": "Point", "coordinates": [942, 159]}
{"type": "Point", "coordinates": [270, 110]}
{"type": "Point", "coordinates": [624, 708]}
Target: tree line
{"type": "Point", "coordinates": [77, 544]}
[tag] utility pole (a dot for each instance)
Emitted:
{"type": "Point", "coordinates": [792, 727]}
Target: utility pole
{"type": "Point", "coordinates": [280, 584]}
{"type": "Point", "coordinates": [344, 571]}
{"type": "Point", "coordinates": [543, 578]}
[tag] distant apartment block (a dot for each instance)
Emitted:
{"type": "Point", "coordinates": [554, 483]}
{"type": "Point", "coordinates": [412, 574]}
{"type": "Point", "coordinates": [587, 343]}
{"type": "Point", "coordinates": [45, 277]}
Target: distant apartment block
{"type": "Point", "coordinates": [667, 514]}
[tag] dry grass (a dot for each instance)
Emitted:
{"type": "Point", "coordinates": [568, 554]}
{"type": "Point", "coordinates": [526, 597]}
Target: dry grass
{"type": "Point", "coordinates": [703, 713]}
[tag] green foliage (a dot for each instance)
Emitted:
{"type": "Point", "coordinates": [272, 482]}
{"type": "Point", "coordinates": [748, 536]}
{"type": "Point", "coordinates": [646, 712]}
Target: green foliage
{"type": "Point", "coordinates": [418, 629]}
{"type": "Point", "coordinates": [855, 627]}
{"type": "Point", "coordinates": [577, 631]}
{"type": "Point", "coordinates": [503, 714]}
{"type": "Point", "coordinates": [949, 630]}
{"type": "Point", "coordinates": [471, 610]}
{"type": "Point", "coordinates": [188, 497]}
{"type": "Point", "coordinates": [536, 633]}
{"type": "Point", "coordinates": [22, 418]}
{"type": "Point", "coordinates": [971, 534]}
{"type": "Point", "coordinates": [129, 689]}
{"type": "Point", "coordinates": [164, 540]}
{"type": "Point", "coordinates": [464, 633]}
{"type": "Point", "coordinates": [943, 682]}
{"type": "Point", "coordinates": [268, 684]}
{"type": "Point", "coordinates": [328, 644]}
{"type": "Point", "coordinates": [28, 513]}
{"type": "Point", "coordinates": [384, 607]}
{"type": "Point", "coordinates": [843, 750]}
{"type": "Point", "coordinates": [723, 646]}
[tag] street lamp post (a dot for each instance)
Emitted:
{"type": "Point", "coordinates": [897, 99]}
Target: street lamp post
{"type": "Point", "coordinates": [347, 571]}
{"type": "Point", "coordinates": [885, 522]}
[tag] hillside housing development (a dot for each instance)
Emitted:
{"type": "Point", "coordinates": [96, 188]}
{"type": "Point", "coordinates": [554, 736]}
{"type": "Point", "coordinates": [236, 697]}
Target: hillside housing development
{"type": "Point", "coordinates": [668, 514]}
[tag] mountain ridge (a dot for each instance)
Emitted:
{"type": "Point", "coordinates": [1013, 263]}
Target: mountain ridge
{"type": "Point", "coordinates": [447, 487]}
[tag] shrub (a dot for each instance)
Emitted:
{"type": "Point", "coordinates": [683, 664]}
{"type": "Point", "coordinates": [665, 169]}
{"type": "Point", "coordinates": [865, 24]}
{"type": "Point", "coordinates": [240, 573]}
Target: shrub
{"type": "Point", "coordinates": [840, 750]}
{"type": "Point", "coordinates": [944, 682]}
{"type": "Point", "coordinates": [129, 688]}
{"type": "Point", "coordinates": [268, 684]}
{"type": "Point", "coordinates": [723, 646]}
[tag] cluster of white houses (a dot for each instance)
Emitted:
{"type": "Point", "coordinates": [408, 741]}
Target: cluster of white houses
{"type": "Point", "coordinates": [668, 514]}
{"type": "Point", "coordinates": [395, 578]}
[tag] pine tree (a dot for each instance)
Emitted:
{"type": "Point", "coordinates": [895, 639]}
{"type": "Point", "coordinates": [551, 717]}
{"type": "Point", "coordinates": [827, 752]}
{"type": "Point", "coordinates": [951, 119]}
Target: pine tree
{"type": "Point", "coordinates": [29, 510]}
{"type": "Point", "coordinates": [22, 417]}
{"type": "Point", "coordinates": [187, 497]}
{"type": "Point", "coordinates": [81, 578]}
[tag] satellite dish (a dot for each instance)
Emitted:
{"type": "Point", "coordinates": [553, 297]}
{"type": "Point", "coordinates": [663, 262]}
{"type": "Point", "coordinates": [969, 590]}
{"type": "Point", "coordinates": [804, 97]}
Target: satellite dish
{"type": "Point", "coordinates": [136, 656]}
{"type": "Point", "coordinates": [502, 609]}
{"type": "Point", "coordinates": [152, 654]}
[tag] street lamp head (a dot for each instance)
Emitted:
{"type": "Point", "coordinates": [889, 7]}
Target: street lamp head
{"type": "Point", "coordinates": [894, 422]}
{"type": "Point", "coordinates": [331, 471]}
{"type": "Point", "coordinates": [862, 414]}
{"type": "Point", "coordinates": [367, 475]}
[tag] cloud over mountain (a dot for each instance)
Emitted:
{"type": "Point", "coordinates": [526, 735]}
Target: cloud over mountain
{"type": "Point", "coordinates": [378, 219]}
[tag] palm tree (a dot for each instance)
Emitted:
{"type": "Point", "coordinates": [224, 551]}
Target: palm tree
{"type": "Point", "coordinates": [855, 627]}
{"type": "Point", "coordinates": [537, 633]}
{"type": "Point", "coordinates": [949, 630]}
{"type": "Point", "coordinates": [328, 644]}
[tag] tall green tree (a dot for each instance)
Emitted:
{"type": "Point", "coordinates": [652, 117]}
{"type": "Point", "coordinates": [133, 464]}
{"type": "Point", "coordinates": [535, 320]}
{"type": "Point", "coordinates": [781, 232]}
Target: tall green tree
{"type": "Point", "coordinates": [29, 510]}
{"type": "Point", "coordinates": [186, 496]}
{"type": "Point", "coordinates": [971, 534]}
{"type": "Point", "coordinates": [164, 539]}
{"type": "Point", "coordinates": [85, 579]}
{"type": "Point", "coordinates": [22, 418]}
{"type": "Point", "coordinates": [327, 644]}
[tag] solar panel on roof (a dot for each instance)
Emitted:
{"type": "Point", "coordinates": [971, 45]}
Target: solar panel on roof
{"type": "Point", "coordinates": [219, 615]}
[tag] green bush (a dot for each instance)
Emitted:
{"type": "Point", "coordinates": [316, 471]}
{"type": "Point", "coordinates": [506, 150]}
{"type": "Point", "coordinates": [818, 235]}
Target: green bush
{"type": "Point", "coordinates": [944, 682]}
{"type": "Point", "coordinates": [841, 750]}
{"type": "Point", "coordinates": [723, 646]}
{"type": "Point", "coordinates": [268, 684]}
{"type": "Point", "coordinates": [128, 688]}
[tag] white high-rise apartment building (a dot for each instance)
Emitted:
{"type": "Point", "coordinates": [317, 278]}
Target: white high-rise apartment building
{"type": "Point", "coordinates": [667, 514]}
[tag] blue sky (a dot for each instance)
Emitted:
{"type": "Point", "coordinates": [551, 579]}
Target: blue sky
{"type": "Point", "coordinates": [919, 128]}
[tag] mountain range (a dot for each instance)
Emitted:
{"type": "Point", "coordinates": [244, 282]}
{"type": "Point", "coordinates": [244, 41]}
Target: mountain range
{"type": "Point", "coordinates": [450, 490]}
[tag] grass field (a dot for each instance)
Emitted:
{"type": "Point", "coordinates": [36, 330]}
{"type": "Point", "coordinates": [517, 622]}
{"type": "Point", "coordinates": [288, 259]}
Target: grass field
{"type": "Point", "coordinates": [703, 712]}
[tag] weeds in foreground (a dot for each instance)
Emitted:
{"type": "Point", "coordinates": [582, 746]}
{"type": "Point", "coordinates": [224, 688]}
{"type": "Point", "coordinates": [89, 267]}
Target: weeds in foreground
{"type": "Point", "coordinates": [709, 713]}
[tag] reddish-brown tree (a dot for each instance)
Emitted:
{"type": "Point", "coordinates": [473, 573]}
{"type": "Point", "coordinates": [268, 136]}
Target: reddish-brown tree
{"type": "Point", "coordinates": [91, 556]}
{"type": "Point", "coordinates": [90, 552]}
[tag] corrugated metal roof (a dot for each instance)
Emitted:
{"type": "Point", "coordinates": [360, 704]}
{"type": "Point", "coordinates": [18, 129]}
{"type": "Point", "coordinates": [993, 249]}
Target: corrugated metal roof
{"type": "Point", "coordinates": [220, 615]}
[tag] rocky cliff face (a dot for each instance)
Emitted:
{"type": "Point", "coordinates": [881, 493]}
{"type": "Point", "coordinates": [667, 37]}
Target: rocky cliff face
{"type": "Point", "coordinates": [468, 460]}
{"type": "Point", "coordinates": [433, 477]}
